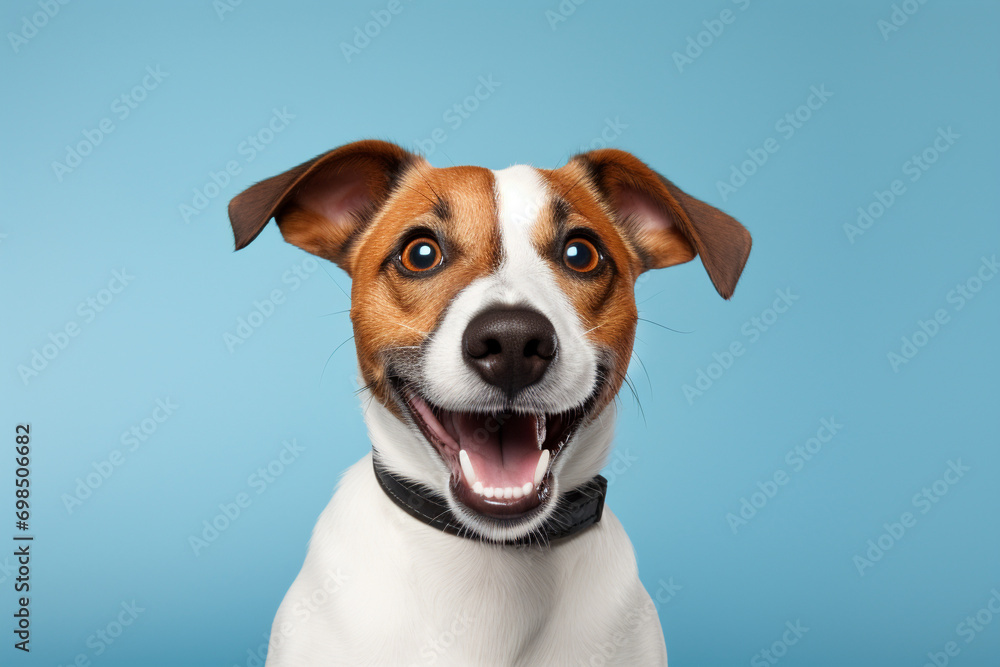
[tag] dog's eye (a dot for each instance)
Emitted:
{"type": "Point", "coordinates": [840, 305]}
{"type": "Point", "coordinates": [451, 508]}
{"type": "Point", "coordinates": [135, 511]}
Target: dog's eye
{"type": "Point", "coordinates": [421, 254]}
{"type": "Point", "coordinates": [581, 255]}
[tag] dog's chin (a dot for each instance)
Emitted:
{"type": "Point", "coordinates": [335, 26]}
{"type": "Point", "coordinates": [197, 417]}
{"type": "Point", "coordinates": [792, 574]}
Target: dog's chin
{"type": "Point", "coordinates": [502, 464]}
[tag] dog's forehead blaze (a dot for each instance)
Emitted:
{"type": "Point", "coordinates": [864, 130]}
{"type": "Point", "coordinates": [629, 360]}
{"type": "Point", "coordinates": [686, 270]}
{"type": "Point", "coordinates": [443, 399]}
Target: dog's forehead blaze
{"type": "Point", "coordinates": [390, 311]}
{"type": "Point", "coordinates": [605, 304]}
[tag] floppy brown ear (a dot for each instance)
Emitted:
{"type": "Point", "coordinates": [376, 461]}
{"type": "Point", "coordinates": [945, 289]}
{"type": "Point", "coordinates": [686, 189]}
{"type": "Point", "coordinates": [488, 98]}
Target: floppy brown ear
{"type": "Point", "coordinates": [667, 225]}
{"type": "Point", "coordinates": [324, 204]}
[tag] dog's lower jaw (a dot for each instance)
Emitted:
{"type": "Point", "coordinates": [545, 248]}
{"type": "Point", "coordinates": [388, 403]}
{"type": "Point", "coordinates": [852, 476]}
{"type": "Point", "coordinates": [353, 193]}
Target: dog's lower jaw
{"type": "Point", "coordinates": [403, 450]}
{"type": "Point", "coordinates": [379, 587]}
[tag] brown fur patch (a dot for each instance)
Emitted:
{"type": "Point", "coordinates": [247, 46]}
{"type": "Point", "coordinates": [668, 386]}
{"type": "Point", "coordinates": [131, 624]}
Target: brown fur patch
{"type": "Point", "coordinates": [391, 311]}
{"type": "Point", "coordinates": [604, 300]}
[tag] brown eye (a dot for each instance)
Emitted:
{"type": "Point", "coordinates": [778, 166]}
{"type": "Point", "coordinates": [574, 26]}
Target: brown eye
{"type": "Point", "coordinates": [581, 255]}
{"type": "Point", "coordinates": [421, 254]}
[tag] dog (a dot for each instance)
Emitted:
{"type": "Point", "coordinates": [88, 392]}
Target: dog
{"type": "Point", "coordinates": [493, 316]}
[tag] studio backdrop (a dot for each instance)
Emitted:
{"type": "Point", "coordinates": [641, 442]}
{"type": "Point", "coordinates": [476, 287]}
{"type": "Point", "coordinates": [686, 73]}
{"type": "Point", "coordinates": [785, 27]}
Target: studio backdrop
{"type": "Point", "coordinates": [808, 472]}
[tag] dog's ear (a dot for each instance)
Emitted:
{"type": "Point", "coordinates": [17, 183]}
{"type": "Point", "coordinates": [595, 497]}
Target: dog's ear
{"type": "Point", "coordinates": [323, 205]}
{"type": "Point", "coordinates": [667, 225]}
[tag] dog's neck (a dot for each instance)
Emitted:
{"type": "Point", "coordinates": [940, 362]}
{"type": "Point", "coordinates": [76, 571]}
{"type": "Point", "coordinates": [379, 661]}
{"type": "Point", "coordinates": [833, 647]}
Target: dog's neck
{"type": "Point", "coordinates": [411, 474]}
{"type": "Point", "coordinates": [578, 509]}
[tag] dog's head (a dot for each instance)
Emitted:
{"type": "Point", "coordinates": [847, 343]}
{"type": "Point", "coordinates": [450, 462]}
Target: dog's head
{"type": "Point", "coordinates": [493, 311]}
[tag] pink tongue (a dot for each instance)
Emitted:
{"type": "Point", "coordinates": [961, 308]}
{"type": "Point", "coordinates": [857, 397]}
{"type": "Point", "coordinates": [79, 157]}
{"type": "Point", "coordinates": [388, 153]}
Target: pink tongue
{"type": "Point", "coordinates": [503, 449]}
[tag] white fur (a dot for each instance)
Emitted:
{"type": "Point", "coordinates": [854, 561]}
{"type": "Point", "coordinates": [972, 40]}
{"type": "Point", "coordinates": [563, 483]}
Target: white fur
{"type": "Point", "coordinates": [523, 279]}
{"type": "Point", "coordinates": [379, 587]}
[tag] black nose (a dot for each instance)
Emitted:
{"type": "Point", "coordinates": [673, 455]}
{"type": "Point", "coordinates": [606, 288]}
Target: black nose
{"type": "Point", "coordinates": [510, 348]}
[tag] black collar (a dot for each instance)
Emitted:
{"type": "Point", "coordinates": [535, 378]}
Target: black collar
{"type": "Point", "coordinates": [578, 509]}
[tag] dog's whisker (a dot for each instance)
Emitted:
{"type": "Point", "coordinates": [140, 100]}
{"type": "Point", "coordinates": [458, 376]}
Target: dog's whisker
{"type": "Point", "coordinates": [653, 296]}
{"type": "Point", "coordinates": [423, 177]}
{"type": "Point", "coordinates": [335, 282]}
{"type": "Point", "coordinates": [649, 380]}
{"type": "Point", "coordinates": [566, 194]}
{"type": "Point", "coordinates": [624, 377]}
{"type": "Point", "coordinates": [365, 388]}
{"type": "Point", "coordinates": [663, 326]}
{"type": "Point", "coordinates": [638, 401]}
{"type": "Point", "coordinates": [413, 189]}
{"type": "Point", "coordinates": [331, 356]}
{"type": "Point", "coordinates": [407, 326]}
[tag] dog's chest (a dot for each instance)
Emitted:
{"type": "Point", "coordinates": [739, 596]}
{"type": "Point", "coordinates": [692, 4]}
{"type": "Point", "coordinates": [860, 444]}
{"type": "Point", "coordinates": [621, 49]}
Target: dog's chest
{"type": "Point", "coordinates": [396, 592]}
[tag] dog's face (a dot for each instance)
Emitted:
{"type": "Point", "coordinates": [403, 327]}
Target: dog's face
{"type": "Point", "coordinates": [493, 311]}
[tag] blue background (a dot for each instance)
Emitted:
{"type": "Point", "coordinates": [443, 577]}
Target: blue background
{"type": "Point", "coordinates": [683, 465]}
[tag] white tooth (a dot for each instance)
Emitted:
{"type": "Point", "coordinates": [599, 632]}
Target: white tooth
{"type": "Point", "coordinates": [488, 492]}
{"type": "Point", "coordinates": [517, 492]}
{"type": "Point", "coordinates": [470, 473]}
{"type": "Point", "coordinates": [526, 489]}
{"type": "Point", "coordinates": [542, 467]}
{"type": "Point", "coordinates": [478, 488]}
{"type": "Point", "coordinates": [508, 493]}
{"type": "Point", "coordinates": [540, 429]}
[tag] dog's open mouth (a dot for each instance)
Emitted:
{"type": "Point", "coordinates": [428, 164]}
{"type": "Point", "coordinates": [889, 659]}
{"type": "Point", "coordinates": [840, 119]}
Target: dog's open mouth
{"type": "Point", "coordinates": [500, 463]}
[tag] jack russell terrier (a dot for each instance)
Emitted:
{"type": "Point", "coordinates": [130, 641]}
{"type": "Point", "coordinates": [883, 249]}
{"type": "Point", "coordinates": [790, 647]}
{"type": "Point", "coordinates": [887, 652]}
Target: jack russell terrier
{"type": "Point", "coordinates": [494, 316]}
